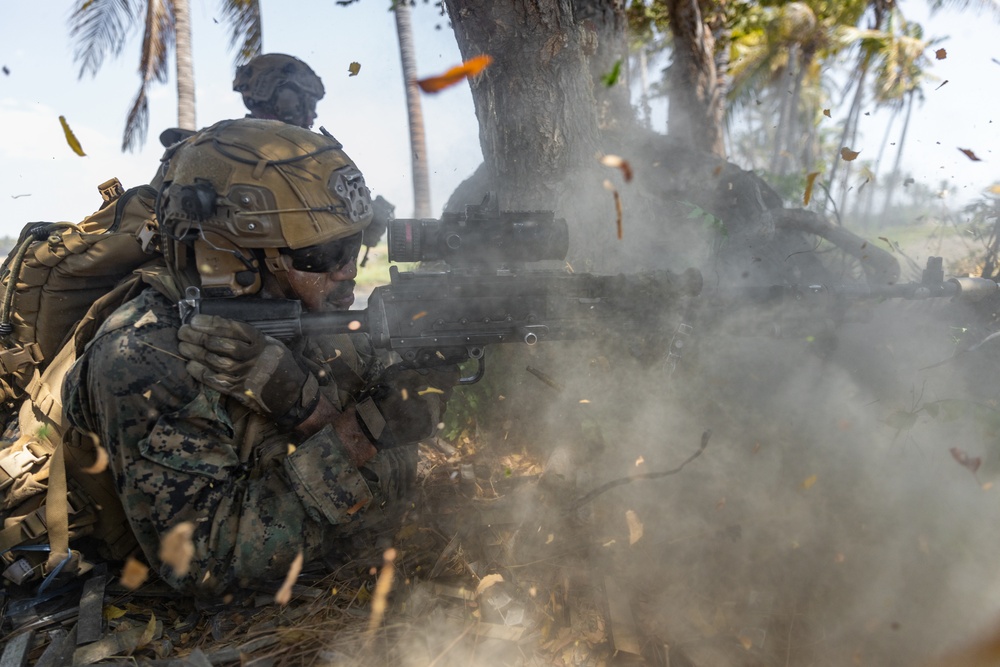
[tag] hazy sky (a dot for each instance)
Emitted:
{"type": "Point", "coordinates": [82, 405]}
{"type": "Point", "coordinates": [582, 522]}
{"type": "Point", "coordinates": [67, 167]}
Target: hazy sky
{"type": "Point", "coordinates": [42, 179]}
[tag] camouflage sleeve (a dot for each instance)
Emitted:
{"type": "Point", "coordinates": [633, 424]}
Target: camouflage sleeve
{"type": "Point", "coordinates": [174, 459]}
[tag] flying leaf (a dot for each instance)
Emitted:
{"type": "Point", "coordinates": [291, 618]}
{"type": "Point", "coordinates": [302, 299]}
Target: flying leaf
{"type": "Point", "coordinates": [6, 70]}
{"type": "Point", "coordinates": [969, 154]}
{"type": "Point", "coordinates": [940, 54]}
{"type": "Point", "coordinates": [614, 161]}
{"type": "Point", "coordinates": [810, 180]}
{"type": "Point", "coordinates": [972, 463]}
{"type": "Point", "coordinates": [284, 594]}
{"type": "Point", "coordinates": [848, 155]}
{"type": "Point", "coordinates": [618, 213]}
{"type": "Point", "coordinates": [134, 574]}
{"type": "Point", "coordinates": [487, 581]}
{"type": "Point", "coordinates": [994, 189]}
{"type": "Point", "coordinates": [354, 68]}
{"type": "Point", "coordinates": [70, 137]}
{"type": "Point", "coordinates": [809, 481]}
{"type": "Point", "coordinates": [383, 585]}
{"type": "Point", "coordinates": [468, 69]}
{"type": "Point", "coordinates": [176, 548]}
{"type": "Point", "coordinates": [611, 78]}
{"type": "Point", "coordinates": [942, 84]}
{"type": "Point", "coordinates": [100, 456]}
{"type": "Point", "coordinates": [826, 112]}
{"type": "Point", "coordinates": [634, 527]}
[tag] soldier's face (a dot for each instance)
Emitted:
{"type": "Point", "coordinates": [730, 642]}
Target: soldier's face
{"type": "Point", "coordinates": [333, 290]}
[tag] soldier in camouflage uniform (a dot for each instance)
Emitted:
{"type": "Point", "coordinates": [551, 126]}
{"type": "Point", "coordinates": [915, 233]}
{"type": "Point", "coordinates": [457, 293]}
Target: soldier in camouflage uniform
{"type": "Point", "coordinates": [281, 87]}
{"type": "Point", "coordinates": [275, 86]}
{"type": "Point", "coordinates": [267, 448]}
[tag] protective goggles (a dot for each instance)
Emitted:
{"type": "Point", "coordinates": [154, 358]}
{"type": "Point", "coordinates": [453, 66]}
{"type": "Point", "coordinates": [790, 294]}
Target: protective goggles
{"type": "Point", "coordinates": [327, 257]}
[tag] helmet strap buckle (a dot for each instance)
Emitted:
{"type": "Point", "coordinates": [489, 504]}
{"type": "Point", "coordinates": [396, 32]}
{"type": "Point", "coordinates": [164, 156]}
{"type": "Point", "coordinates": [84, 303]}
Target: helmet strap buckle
{"type": "Point", "coordinates": [277, 267]}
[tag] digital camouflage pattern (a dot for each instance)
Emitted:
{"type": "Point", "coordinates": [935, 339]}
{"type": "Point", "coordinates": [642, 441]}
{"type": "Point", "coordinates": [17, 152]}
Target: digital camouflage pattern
{"type": "Point", "coordinates": [175, 453]}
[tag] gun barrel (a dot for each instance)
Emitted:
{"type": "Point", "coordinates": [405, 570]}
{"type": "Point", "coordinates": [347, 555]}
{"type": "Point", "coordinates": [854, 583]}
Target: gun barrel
{"type": "Point", "coordinates": [974, 289]}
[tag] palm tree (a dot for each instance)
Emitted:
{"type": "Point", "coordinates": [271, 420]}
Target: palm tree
{"type": "Point", "coordinates": [102, 27]}
{"type": "Point", "coordinates": [415, 114]}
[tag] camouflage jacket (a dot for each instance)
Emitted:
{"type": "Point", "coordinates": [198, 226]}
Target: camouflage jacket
{"type": "Point", "coordinates": [181, 452]}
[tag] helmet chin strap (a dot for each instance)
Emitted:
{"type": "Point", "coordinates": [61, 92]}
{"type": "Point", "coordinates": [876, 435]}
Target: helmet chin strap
{"type": "Point", "coordinates": [277, 266]}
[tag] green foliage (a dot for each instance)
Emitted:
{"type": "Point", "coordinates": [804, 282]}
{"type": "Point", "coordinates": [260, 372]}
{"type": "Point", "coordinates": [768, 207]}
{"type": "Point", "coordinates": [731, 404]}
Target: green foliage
{"type": "Point", "coordinates": [713, 223]}
{"type": "Point", "coordinates": [611, 78]}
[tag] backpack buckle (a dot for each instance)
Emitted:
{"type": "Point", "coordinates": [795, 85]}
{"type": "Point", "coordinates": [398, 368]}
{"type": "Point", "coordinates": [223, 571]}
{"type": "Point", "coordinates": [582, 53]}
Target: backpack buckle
{"type": "Point", "coordinates": [110, 190]}
{"type": "Point", "coordinates": [16, 463]}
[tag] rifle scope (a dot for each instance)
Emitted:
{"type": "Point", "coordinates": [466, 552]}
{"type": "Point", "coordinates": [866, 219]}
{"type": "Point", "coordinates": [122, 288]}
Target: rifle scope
{"type": "Point", "coordinates": [477, 238]}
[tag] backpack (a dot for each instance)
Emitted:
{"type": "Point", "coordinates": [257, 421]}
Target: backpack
{"type": "Point", "coordinates": [57, 285]}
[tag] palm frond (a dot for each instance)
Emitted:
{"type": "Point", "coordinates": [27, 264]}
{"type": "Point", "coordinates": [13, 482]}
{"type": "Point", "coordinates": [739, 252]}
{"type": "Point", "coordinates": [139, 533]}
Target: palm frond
{"type": "Point", "coordinates": [137, 122]}
{"type": "Point", "coordinates": [990, 6]}
{"type": "Point", "coordinates": [157, 38]}
{"type": "Point", "coordinates": [100, 27]}
{"type": "Point", "coordinates": [243, 18]}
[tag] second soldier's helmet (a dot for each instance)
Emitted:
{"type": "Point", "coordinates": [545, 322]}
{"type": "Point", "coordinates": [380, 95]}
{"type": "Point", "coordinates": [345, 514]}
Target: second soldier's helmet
{"type": "Point", "coordinates": [279, 86]}
{"type": "Point", "coordinates": [240, 193]}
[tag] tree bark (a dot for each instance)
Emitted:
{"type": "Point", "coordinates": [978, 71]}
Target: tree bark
{"type": "Point", "coordinates": [414, 113]}
{"type": "Point", "coordinates": [695, 99]}
{"type": "Point", "coordinates": [537, 112]}
{"type": "Point", "coordinates": [185, 66]}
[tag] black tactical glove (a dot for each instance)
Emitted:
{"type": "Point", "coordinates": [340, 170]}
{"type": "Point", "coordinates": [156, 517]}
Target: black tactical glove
{"type": "Point", "coordinates": [403, 405]}
{"type": "Point", "coordinates": [236, 359]}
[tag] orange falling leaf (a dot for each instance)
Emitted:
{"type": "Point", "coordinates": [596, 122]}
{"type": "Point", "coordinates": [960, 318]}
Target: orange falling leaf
{"type": "Point", "coordinates": [940, 54]}
{"type": "Point", "coordinates": [809, 481]}
{"type": "Point", "coordinates": [810, 180]}
{"type": "Point", "coordinates": [134, 574]}
{"type": "Point", "coordinates": [826, 112]}
{"type": "Point", "coordinates": [618, 213]}
{"type": "Point", "coordinates": [284, 594]}
{"type": "Point", "coordinates": [177, 549]}
{"type": "Point", "coordinates": [617, 162]}
{"type": "Point", "coordinates": [380, 598]}
{"type": "Point", "coordinates": [969, 154]}
{"type": "Point", "coordinates": [353, 69]}
{"type": "Point", "coordinates": [468, 69]}
{"type": "Point", "coordinates": [848, 155]}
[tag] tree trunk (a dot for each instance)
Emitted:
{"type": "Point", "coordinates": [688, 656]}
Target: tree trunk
{"type": "Point", "coordinates": [414, 113]}
{"type": "Point", "coordinates": [537, 112]}
{"type": "Point", "coordinates": [695, 99]}
{"type": "Point", "coordinates": [185, 66]}
{"type": "Point", "coordinates": [894, 176]}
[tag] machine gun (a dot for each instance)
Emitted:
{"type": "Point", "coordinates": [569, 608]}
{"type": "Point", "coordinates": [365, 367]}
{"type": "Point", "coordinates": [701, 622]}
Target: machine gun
{"type": "Point", "coordinates": [486, 295]}
{"type": "Point", "coordinates": [489, 294]}
{"type": "Point", "coordinates": [780, 310]}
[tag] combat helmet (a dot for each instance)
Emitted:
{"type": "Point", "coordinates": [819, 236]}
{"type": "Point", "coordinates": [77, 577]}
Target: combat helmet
{"type": "Point", "coordinates": [279, 86]}
{"type": "Point", "coordinates": [241, 193]}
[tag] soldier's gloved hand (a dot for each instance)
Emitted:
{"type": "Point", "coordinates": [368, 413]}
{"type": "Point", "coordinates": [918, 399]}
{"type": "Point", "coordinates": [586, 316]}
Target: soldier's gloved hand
{"type": "Point", "coordinates": [403, 405]}
{"type": "Point", "coordinates": [236, 359]}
